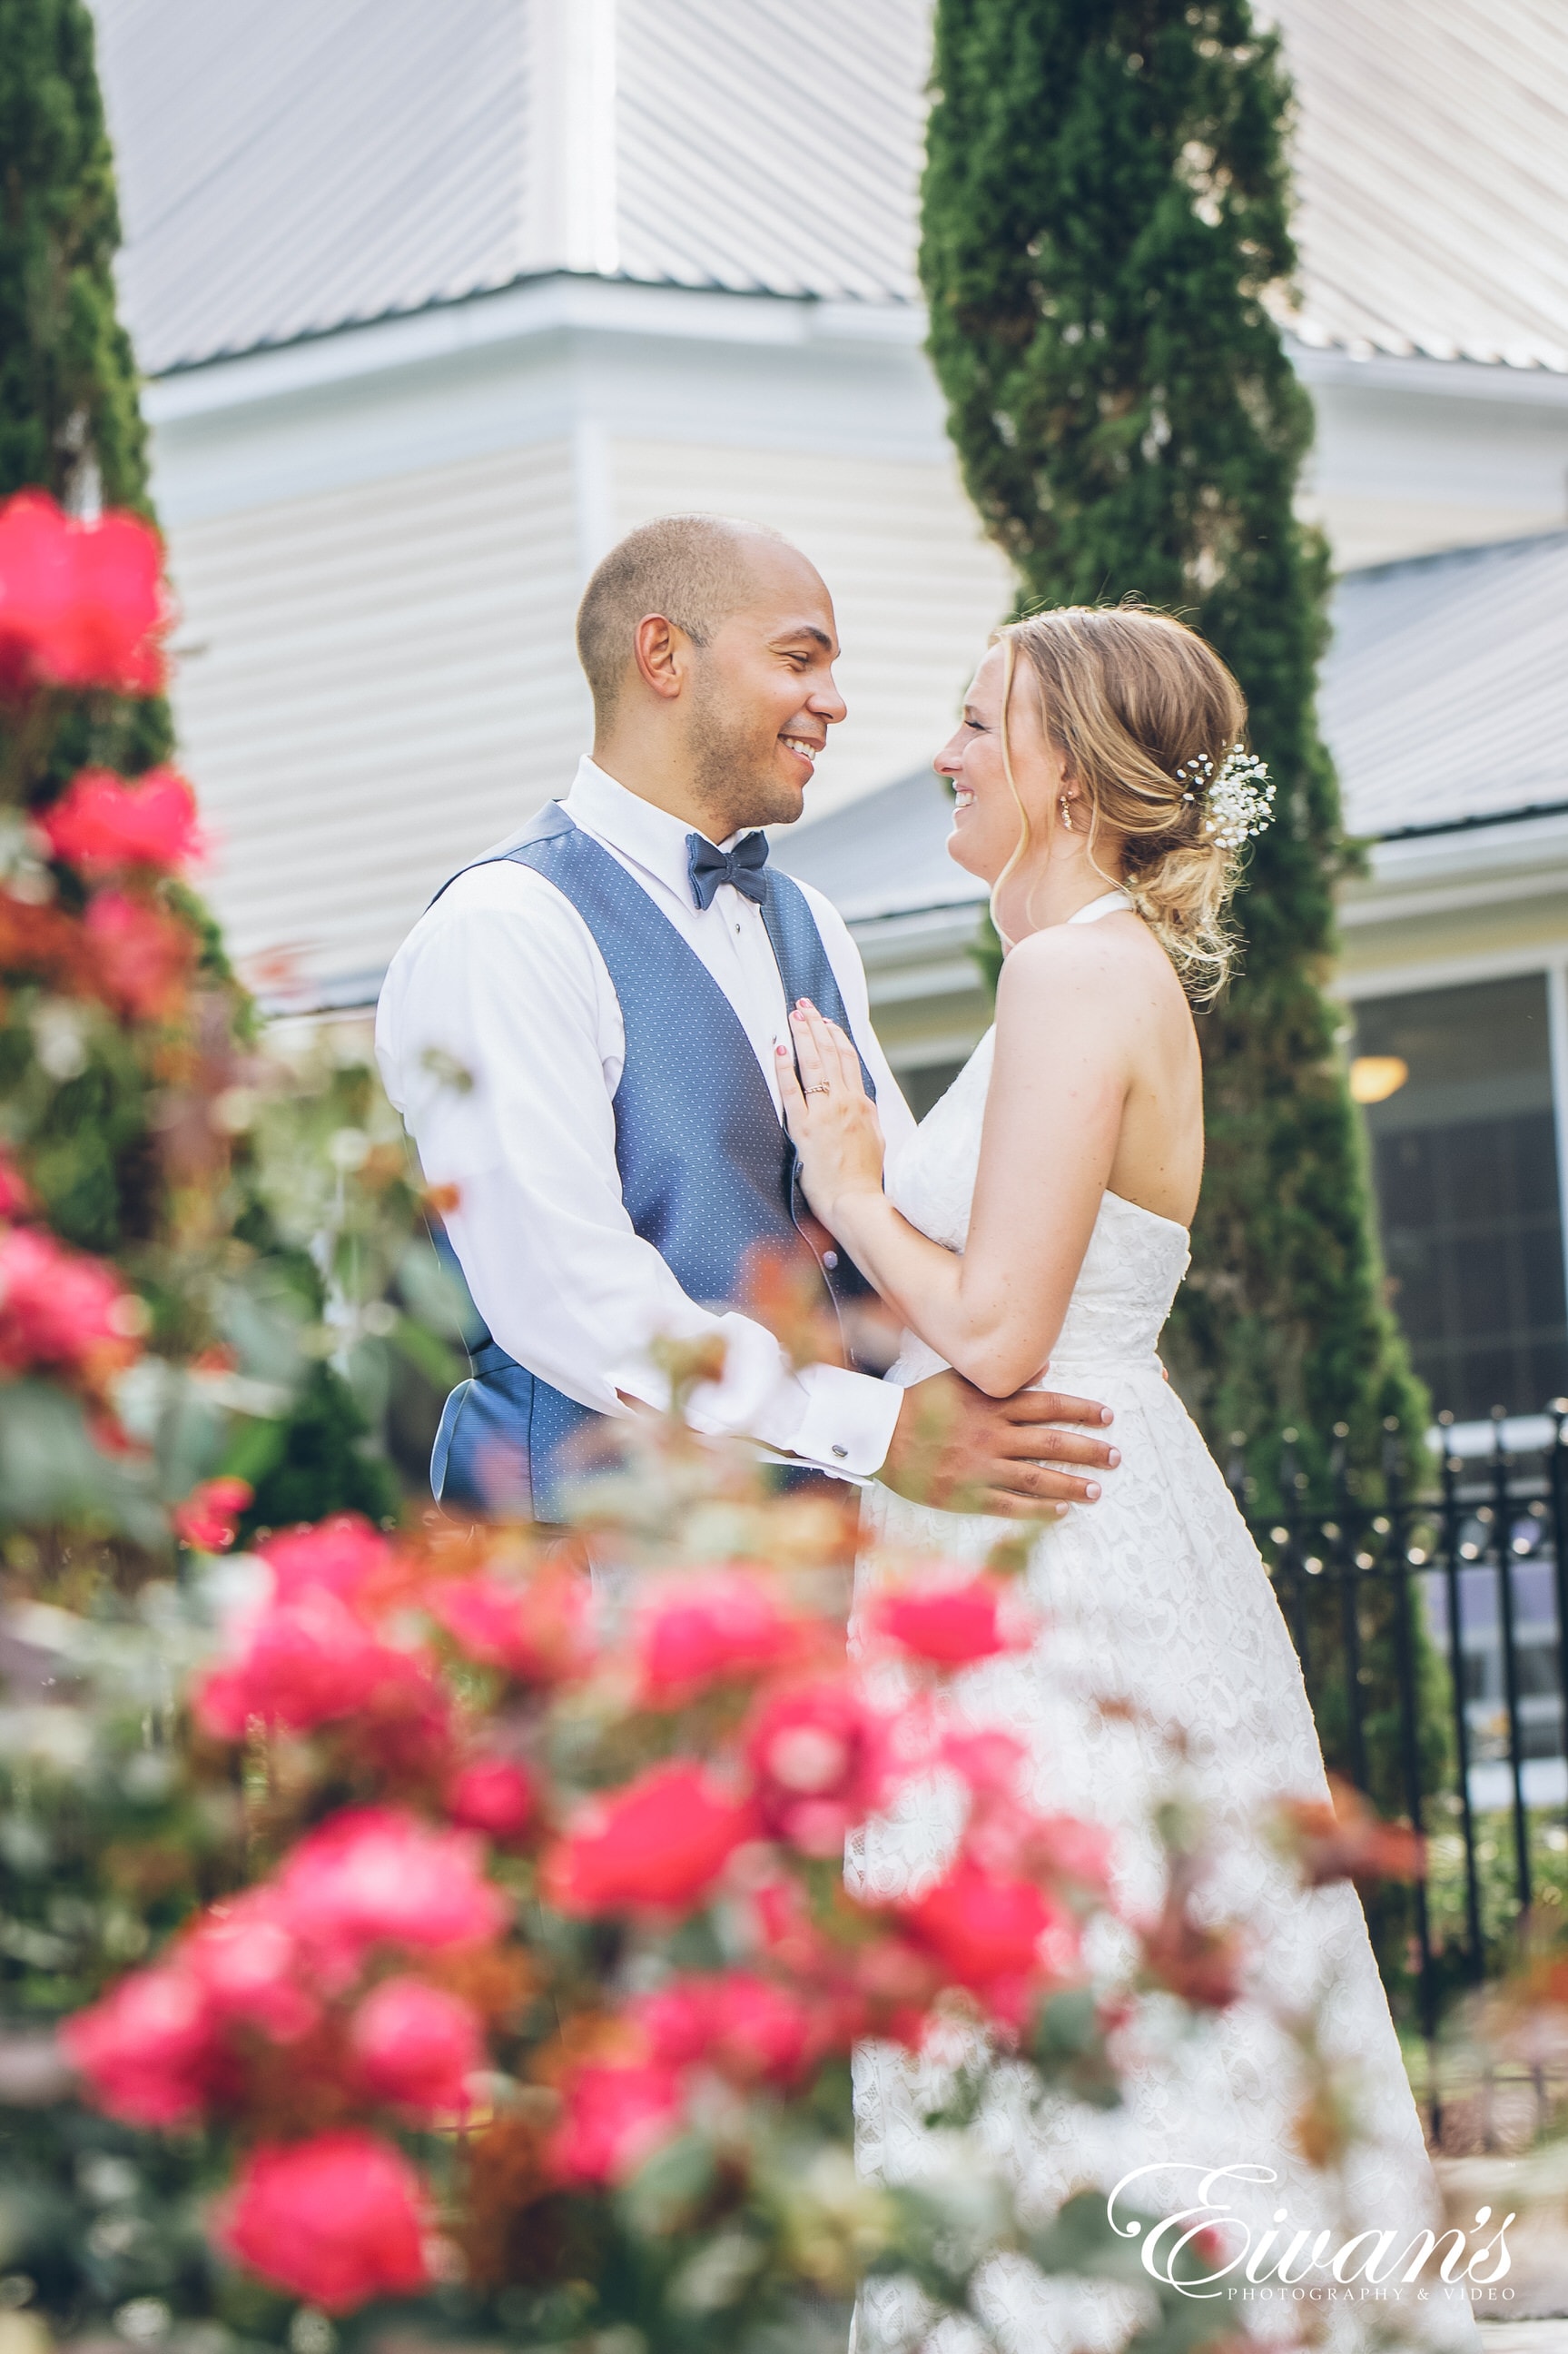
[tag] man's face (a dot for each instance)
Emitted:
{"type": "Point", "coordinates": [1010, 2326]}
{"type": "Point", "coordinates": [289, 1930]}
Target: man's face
{"type": "Point", "coordinates": [763, 697]}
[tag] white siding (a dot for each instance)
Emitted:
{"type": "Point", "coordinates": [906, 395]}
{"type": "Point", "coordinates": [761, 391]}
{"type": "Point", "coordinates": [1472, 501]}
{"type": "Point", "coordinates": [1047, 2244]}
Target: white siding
{"type": "Point", "coordinates": [377, 682]}
{"type": "Point", "coordinates": [915, 586]}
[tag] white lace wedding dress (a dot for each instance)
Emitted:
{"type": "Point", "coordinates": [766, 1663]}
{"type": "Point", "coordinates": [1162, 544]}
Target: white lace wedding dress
{"type": "Point", "coordinates": [1154, 1600]}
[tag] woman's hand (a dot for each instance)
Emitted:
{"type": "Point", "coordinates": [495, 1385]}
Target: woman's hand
{"type": "Point", "coordinates": [829, 1116]}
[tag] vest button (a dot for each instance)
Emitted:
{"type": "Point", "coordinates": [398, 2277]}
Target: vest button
{"type": "Point", "coordinates": [829, 1259]}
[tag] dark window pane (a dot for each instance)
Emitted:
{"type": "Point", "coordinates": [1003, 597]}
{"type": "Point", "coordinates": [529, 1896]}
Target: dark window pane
{"type": "Point", "coordinates": [1464, 1166]}
{"type": "Point", "coordinates": [923, 1085]}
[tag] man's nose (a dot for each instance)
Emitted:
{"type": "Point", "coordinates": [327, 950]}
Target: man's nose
{"type": "Point", "coordinates": [829, 704]}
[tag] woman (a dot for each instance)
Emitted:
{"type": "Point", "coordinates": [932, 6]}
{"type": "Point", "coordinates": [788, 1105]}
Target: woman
{"type": "Point", "coordinates": [1039, 1217]}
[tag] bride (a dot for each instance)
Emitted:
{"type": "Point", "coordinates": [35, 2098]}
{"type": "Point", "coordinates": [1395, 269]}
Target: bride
{"type": "Point", "coordinates": [1038, 1218]}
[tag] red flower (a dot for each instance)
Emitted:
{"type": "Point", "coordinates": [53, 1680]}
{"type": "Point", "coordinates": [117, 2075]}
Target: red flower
{"type": "Point", "coordinates": [821, 1760]}
{"type": "Point", "coordinates": [493, 1796]}
{"type": "Point", "coordinates": [141, 955]}
{"type": "Point", "coordinates": [147, 2049]}
{"type": "Point", "coordinates": [417, 2045]}
{"type": "Point", "coordinates": [249, 1963]}
{"type": "Point", "coordinates": [58, 1307]}
{"type": "Point", "coordinates": [101, 823]}
{"type": "Point", "coordinates": [694, 1631]}
{"type": "Point", "coordinates": [953, 1626]}
{"type": "Point", "coordinates": [307, 1663]}
{"type": "Point", "coordinates": [658, 1845]}
{"type": "Point", "coordinates": [209, 1516]}
{"type": "Point", "coordinates": [15, 1193]}
{"type": "Point", "coordinates": [993, 1934]}
{"type": "Point", "coordinates": [343, 1555]}
{"type": "Point", "coordinates": [1076, 1851]}
{"type": "Point", "coordinates": [747, 2027]}
{"type": "Point", "coordinates": [377, 1876]}
{"type": "Point", "coordinates": [338, 2220]}
{"type": "Point", "coordinates": [80, 603]}
{"type": "Point", "coordinates": [535, 1628]}
{"type": "Point", "coordinates": [615, 2117]}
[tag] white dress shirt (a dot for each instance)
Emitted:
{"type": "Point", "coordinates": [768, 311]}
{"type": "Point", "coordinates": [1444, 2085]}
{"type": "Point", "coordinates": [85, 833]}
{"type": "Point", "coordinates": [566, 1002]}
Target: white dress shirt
{"type": "Point", "coordinates": [502, 978]}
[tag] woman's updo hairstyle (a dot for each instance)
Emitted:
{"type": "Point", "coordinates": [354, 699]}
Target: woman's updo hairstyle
{"type": "Point", "coordinates": [1144, 713]}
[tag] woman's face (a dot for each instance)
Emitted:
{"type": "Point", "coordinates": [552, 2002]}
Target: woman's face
{"type": "Point", "coordinates": [985, 815]}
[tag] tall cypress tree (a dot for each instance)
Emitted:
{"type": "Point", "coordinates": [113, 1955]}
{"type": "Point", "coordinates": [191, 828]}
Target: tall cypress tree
{"type": "Point", "coordinates": [70, 420]}
{"type": "Point", "coordinates": [70, 424]}
{"type": "Point", "coordinates": [1106, 237]}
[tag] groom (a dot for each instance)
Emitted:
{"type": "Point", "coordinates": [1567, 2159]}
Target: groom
{"type": "Point", "coordinates": [579, 1032]}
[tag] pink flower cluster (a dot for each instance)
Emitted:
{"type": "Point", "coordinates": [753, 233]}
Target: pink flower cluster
{"type": "Point", "coordinates": [284, 1962]}
{"type": "Point", "coordinates": [81, 604]}
{"type": "Point", "coordinates": [445, 1676]}
{"type": "Point", "coordinates": [61, 1312]}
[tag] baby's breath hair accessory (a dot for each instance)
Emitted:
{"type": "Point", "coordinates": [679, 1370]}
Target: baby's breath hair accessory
{"type": "Point", "coordinates": [1237, 798]}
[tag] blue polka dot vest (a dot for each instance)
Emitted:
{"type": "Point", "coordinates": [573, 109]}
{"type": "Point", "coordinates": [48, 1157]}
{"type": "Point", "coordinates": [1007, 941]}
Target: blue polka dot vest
{"type": "Point", "coordinates": [707, 1173]}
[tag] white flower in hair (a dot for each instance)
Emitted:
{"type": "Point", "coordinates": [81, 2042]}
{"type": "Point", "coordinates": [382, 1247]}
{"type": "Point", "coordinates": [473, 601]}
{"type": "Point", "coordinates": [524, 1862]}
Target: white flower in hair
{"type": "Point", "coordinates": [1238, 798]}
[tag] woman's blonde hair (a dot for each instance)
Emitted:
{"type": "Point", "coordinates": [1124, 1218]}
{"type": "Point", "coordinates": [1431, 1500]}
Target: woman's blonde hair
{"type": "Point", "coordinates": [1132, 699]}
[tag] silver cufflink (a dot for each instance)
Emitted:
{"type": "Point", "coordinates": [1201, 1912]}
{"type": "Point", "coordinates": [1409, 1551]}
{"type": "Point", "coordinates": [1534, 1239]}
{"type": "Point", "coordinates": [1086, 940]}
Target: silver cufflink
{"type": "Point", "coordinates": [841, 1452]}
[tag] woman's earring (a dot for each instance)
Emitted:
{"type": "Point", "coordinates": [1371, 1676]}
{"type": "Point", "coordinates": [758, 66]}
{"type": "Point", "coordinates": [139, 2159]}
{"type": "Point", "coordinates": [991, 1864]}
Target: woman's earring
{"type": "Point", "coordinates": [1066, 813]}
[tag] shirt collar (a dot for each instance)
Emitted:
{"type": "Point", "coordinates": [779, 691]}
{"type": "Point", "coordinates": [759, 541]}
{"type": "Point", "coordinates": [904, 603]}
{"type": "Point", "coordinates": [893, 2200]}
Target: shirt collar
{"type": "Point", "coordinates": [653, 839]}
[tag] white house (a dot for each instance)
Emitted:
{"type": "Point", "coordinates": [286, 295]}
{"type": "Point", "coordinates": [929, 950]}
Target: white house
{"type": "Point", "coordinates": [436, 297]}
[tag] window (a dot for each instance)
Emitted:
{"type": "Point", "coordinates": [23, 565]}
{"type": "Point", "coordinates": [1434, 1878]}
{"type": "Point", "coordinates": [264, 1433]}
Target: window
{"type": "Point", "coordinates": [1456, 1084]}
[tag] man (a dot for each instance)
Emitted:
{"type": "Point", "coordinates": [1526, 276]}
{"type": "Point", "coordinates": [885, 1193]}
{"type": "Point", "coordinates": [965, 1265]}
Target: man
{"type": "Point", "coordinates": [580, 1031]}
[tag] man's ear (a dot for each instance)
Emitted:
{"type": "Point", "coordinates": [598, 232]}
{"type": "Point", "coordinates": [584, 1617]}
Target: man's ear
{"type": "Point", "coordinates": [661, 650]}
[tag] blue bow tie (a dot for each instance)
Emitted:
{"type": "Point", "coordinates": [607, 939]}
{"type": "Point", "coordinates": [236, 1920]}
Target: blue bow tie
{"type": "Point", "coordinates": [741, 868]}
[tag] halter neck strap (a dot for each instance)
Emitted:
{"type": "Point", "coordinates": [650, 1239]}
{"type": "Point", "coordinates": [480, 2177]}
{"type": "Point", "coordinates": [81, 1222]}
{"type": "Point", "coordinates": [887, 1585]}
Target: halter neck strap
{"type": "Point", "coordinates": [1111, 904]}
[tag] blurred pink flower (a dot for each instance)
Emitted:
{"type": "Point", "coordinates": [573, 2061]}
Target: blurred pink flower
{"type": "Point", "coordinates": [337, 2219]}
{"type": "Point", "coordinates": [694, 1631]}
{"type": "Point", "coordinates": [615, 2117]}
{"type": "Point", "coordinates": [492, 1795]}
{"type": "Point", "coordinates": [147, 2050]}
{"type": "Point", "coordinates": [377, 1876]}
{"type": "Point", "coordinates": [658, 1845]}
{"type": "Point", "coordinates": [535, 1628]}
{"type": "Point", "coordinates": [821, 1758]}
{"type": "Point", "coordinates": [81, 604]}
{"type": "Point", "coordinates": [102, 824]}
{"type": "Point", "coordinates": [344, 1556]}
{"type": "Point", "coordinates": [59, 1307]}
{"type": "Point", "coordinates": [306, 1663]}
{"type": "Point", "coordinates": [417, 2045]}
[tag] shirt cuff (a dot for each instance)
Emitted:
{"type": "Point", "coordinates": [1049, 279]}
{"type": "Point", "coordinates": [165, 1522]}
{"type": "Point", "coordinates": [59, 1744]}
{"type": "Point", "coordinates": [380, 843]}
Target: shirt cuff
{"type": "Point", "coordinates": [848, 1423]}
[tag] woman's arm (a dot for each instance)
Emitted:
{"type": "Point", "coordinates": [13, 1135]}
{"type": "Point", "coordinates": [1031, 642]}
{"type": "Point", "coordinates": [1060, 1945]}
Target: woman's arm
{"type": "Point", "coordinates": [1052, 1123]}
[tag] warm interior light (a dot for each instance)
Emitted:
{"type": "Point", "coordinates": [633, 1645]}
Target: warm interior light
{"type": "Point", "coordinates": [1376, 1078]}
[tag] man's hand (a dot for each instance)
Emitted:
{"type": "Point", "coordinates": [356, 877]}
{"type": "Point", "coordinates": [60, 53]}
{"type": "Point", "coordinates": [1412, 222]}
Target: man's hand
{"type": "Point", "coordinates": [961, 1451]}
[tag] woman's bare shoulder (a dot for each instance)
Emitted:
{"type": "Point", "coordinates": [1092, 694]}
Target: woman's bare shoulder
{"type": "Point", "coordinates": [1070, 961]}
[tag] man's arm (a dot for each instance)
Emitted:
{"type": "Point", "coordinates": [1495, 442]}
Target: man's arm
{"type": "Point", "coordinates": [503, 983]}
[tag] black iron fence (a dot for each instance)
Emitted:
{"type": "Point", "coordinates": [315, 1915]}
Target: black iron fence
{"type": "Point", "coordinates": [1431, 1619]}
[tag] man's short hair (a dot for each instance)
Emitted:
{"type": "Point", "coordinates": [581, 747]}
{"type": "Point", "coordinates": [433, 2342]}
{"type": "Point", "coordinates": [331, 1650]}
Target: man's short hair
{"type": "Point", "coordinates": [690, 567]}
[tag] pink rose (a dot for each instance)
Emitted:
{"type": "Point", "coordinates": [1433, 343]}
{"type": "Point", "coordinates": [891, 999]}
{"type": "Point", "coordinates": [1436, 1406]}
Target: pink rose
{"type": "Point", "coordinates": [492, 1795]}
{"type": "Point", "coordinates": [249, 1963]}
{"type": "Point", "coordinates": [377, 1876]}
{"type": "Point", "coordinates": [58, 1307]}
{"type": "Point", "coordinates": [953, 1626]}
{"type": "Point", "coordinates": [81, 604]}
{"type": "Point", "coordinates": [141, 955]}
{"type": "Point", "coordinates": [536, 1628]}
{"type": "Point", "coordinates": [101, 823]}
{"type": "Point", "coordinates": [615, 2117]}
{"type": "Point", "coordinates": [993, 1934]}
{"type": "Point", "coordinates": [147, 2050]}
{"type": "Point", "coordinates": [343, 1556]}
{"type": "Point", "coordinates": [659, 1845]}
{"type": "Point", "coordinates": [338, 2220]}
{"type": "Point", "coordinates": [308, 1662]}
{"type": "Point", "coordinates": [209, 1516]}
{"type": "Point", "coordinates": [694, 1631]}
{"type": "Point", "coordinates": [748, 2027]}
{"type": "Point", "coordinates": [821, 1760]}
{"type": "Point", "coordinates": [417, 2045]}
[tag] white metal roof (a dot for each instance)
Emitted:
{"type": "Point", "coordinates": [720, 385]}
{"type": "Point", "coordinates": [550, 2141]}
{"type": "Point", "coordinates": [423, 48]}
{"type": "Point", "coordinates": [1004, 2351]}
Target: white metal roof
{"type": "Point", "coordinates": [289, 167]}
{"type": "Point", "coordinates": [1444, 701]}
